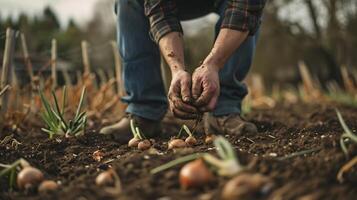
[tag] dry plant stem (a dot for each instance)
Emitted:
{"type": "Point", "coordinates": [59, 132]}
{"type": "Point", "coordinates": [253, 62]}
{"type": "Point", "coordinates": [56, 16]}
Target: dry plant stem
{"type": "Point", "coordinates": [85, 57]}
{"type": "Point", "coordinates": [27, 57]}
{"type": "Point", "coordinates": [118, 69]}
{"type": "Point", "coordinates": [2, 92]}
{"type": "Point", "coordinates": [54, 63]}
{"type": "Point", "coordinates": [306, 77]}
{"type": "Point", "coordinates": [102, 78]}
{"type": "Point", "coordinates": [67, 78]}
{"type": "Point", "coordinates": [348, 83]}
{"type": "Point", "coordinates": [345, 169]}
{"type": "Point", "coordinates": [7, 63]}
{"type": "Point", "coordinates": [109, 104]}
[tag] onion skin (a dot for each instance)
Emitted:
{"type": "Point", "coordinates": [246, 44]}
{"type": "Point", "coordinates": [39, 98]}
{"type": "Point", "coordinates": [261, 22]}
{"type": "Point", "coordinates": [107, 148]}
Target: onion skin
{"type": "Point", "coordinates": [133, 142]}
{"type": "Point", "coordinates": [191, 141]}
{"type": "Point", "coordinates": [98, 155]}
{"type": "Point", "coordinates": [47, 185]}
{"type": "Point", "coordinates": [176, 143]}
{"type": "Point", "coordinates": [105, 179]}
{"type": "Point", "coordinates": [29, 177]}
{"type": "Point", "coordinates": [144, 145]}
{"type": "Point", "coordinates": [195, 174]}
{"type": "Point", "coordinates": [245, 186]}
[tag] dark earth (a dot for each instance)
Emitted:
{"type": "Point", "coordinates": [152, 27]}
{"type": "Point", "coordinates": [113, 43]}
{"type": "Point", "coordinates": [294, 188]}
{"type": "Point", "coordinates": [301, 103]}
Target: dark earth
{"type": "Point", "coordinates": [283, 131]}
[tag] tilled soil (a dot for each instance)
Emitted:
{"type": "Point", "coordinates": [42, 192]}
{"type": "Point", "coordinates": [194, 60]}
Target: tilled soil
{"type": "Point", "coordinates": [284, 132]}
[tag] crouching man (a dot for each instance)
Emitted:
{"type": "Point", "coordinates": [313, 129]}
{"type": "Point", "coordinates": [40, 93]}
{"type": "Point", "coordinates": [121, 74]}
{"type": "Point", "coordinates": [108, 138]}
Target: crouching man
{"type": "Point", "coordinates": [147, 28]}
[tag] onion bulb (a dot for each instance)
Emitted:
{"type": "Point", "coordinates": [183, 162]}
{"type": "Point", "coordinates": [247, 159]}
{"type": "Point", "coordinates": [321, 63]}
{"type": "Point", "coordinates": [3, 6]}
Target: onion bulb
{"type": "Point", "coordinates": [209, 139]}
{"type": "Point", "coordinates": [133, 142]}
{"type": "Point", "coordinates": [29, 177]}
{"type": "Point", "coordinates": [245, 186]}
{"type": "Point", "coordinates": [105, 179]}
{"type": "Point", "coordinates": [47, 185]}
{"type": "Point", "coordinates": [195, 174]}
{"type": "Point", "coordinates": [190, 140]}
{"type": "Point", "coordinates": [144, 145]}
{"type": "Point", "coordinates": [176, 143]}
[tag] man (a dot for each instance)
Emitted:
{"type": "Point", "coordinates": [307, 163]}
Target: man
{"type": "Point", "coordinates": [148, 27]}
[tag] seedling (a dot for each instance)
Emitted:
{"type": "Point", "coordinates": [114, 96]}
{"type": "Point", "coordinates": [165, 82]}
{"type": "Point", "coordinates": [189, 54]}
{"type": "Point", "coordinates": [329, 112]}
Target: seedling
{"type": "Point", "coordinates": [179, 143]}
{"type": "Point", "coordinates": [189, 141]}
{"type": "Point", "coordinates": [226, 165]}
{"type": "Point", "coordinates": [346, 135]}
{"type": "Point", "coordinates": [139, 140]}
{"type": "Point", "coordinates": [54, 117]}
{"type": "Point", "coordinates": [11, 171]}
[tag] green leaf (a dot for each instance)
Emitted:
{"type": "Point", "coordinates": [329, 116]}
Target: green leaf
{"type": "Point", "coordinates": [224, 148]}
{"type": "Point", "coordinates": [343, 145]}
{"type": "Point", "coordinates": [47, 106]}
{"type": "Point", "coordinates": [176, 162]}
{"type": "Point", "coordinates": [187, 130]}
{"type": "Point", "coordinates": [12, 178]}
{"type": "Point", "coordinates": [64, 99]}
{"type": "Point", "coordinates": [58, 112]}
{"type": "Point", "coordinates": [133, 131]}
{"type": "Point", "coordinates": [80, 102]}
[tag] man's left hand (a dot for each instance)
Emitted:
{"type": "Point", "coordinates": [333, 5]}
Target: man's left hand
{"type": "Point", "coordinates": [205, 87]}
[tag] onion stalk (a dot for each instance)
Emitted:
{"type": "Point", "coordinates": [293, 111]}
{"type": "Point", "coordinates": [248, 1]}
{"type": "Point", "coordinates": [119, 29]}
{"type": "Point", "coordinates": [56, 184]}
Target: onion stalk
{"type": "Point", "coordinates": [12, 170]}
{"type": "Point", "coordinates": [346, 135]}
{"type": "Point", "coordinates": [226, 165]}
{"type": "Point", "coordinates": [54, 116]}
{"type": "Point", "coordinates": [139, 140]}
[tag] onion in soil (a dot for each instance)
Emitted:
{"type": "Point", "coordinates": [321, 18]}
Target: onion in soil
{"type": "Point", "coordinates": [246, 186]}
{"type": "Point", "coordinates": [133, 142]}
{"type": "Point", "coordinates": [195, 174]}
{"type": "Point", "coordinates": [29, 177]}
{"type": "Point", "coordinates": [105, 179]}
{"type": "Point", "coordinates": [190, 140]}
{"type": "Point", "coordinates": [176, 143]}
{"type": "Point", "coordinates": [144, 145]}
{"type": "Point", "coordinates": [47, 185]}
{"type": "Point", "coordinates": [209, 139]}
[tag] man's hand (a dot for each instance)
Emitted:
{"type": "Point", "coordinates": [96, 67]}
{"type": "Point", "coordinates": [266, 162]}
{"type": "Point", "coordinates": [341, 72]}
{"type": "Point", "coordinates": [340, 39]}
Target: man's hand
{"type": "Point", "coordinates": [180, 96]}
{"type": "Point", "coordinates": [205, 87]}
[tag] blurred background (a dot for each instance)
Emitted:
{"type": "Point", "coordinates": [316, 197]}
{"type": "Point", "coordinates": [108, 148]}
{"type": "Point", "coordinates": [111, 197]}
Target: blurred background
{"type": "Point", "coordinates": [322, 33]}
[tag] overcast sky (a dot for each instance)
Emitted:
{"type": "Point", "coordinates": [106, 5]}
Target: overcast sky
{"type": "Point", "coordinates": [80, 10]}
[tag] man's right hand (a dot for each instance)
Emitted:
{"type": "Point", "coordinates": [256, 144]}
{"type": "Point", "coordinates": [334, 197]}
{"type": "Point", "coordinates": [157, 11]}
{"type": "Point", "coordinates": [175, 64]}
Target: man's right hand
{"type": "Point", "coordinates": [180, 96]}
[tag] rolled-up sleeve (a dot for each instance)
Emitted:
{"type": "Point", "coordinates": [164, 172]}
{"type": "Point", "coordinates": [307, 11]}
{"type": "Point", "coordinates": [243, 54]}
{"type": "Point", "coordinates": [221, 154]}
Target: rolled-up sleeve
{"type": "Point", "coordinates": [243, 15]}
{"type": "Point", "coordinates": [163, 17]}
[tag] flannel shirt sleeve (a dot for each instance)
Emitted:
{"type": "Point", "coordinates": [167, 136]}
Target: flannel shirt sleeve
{"type": "Point", "coordinates": [163, 18]}
{"type": "Point", "coordinates": [243, 15]}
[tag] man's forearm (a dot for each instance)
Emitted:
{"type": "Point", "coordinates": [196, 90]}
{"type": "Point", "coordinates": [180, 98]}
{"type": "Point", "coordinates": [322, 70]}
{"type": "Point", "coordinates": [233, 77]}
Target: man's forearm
{"type": "Point", "coordinates": [171, 46]}
{"type": "Point", "coordinates": [227, 42]}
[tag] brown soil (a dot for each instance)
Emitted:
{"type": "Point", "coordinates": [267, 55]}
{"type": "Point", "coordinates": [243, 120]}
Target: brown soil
{"type": "Point", "coordinates": [282, 131]}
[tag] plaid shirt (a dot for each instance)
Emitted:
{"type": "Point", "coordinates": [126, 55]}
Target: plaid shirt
{"type": "Point", "coordinates": [241, 15]}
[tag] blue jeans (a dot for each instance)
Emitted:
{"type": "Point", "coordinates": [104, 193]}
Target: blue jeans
{"type": "Point", "coordinates": [141, 66]}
